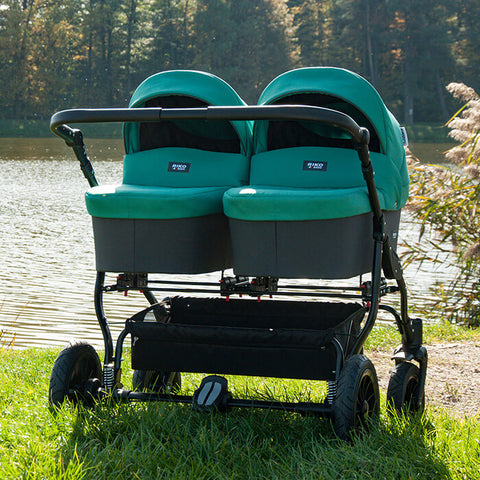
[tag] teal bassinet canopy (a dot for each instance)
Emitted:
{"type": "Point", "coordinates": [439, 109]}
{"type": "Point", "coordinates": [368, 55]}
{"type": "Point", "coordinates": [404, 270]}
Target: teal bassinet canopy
{"type": "Point", "coordinates": [280, 189]}
{"type": "Point", "coordinates": [205, 87]}
{"type": "Point", "coordinates": [345, 85]}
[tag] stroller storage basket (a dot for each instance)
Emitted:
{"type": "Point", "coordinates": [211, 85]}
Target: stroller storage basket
{"type": "Point", "coordinates": [287, 339]}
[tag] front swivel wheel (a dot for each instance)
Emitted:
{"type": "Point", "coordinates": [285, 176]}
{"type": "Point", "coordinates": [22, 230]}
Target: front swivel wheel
{"type": "Point", "coordinates": [403, 393]}
{"type": "Point", "coordinates": [75, 375]}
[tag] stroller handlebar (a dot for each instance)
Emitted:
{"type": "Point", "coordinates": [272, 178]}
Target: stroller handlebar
{"type": "Point", "coordinates": [252, 112]}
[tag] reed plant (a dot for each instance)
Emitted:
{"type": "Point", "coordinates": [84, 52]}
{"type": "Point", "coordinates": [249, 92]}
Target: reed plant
{"type": "Point", "coordinates": [7, 338]}
{"type": "Point", "coordinates": [445, 200]}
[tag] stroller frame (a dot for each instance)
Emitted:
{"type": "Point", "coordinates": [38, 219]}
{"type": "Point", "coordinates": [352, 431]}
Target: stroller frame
{"type": "Point", "coordinates": [384, 258]}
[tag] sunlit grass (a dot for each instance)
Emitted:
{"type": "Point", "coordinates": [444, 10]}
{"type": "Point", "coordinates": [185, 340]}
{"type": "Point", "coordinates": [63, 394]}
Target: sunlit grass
{"type": "Point", "coordinates": [386, 336]}
{"type": "Point", "coordinates": [174, 442]}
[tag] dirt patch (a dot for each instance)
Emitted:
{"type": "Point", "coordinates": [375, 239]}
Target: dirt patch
{"type": "Point", "coordinates": [453, 376]}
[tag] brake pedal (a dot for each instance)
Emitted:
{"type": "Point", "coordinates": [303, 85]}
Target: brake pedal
{"type": "Point", "coordinates": [212, 395]}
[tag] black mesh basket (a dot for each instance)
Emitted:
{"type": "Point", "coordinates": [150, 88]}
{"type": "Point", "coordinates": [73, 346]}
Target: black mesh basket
{"type": "Point", "coordinates": [286, 339]}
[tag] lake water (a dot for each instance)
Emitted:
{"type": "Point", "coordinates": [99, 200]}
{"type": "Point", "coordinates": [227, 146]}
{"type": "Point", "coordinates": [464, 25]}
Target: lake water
{"type": "Point", "coordinates": [47, 272]}
{"type": "Point", "coordinates": [430, 152]}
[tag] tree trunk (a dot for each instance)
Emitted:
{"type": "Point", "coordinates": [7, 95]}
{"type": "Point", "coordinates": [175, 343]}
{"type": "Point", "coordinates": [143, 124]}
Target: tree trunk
{"type": "Point", "coordinates": [441, 96]}
{"type": "Point", "coordinates": [131, 20]}
{"type": "Point", "coordinates": [20, 61]}
{"type": "Point", "coordinates": [88, 74]}
{"type": "Point", "coordinates": [108, 67]}
{"type": "Point", "coordinates": [408, 82]}
{"type": "Point", "coordinates": [370, 52]}
{"type": "Point", "coordinates": [185, 34]}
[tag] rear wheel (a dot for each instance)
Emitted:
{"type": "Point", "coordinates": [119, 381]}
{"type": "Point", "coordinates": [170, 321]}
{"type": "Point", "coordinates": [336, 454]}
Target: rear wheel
{"type": "Point", "coordinates": [75, 375]}
{"type": "Point", "coordinates": [403, 388]}
{"type": "Point", "coordinates": [357, 401]}
{"type": "Point", "coordinates": [156, 382]}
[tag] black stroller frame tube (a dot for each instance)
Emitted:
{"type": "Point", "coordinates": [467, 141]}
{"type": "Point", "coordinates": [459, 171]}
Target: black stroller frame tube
{"type": "Point", "coordinates": [375, 299]}
{"type": "Point", "coordinates": [74, 138]}
{"type": "Point", "coordinates": [102, 319]}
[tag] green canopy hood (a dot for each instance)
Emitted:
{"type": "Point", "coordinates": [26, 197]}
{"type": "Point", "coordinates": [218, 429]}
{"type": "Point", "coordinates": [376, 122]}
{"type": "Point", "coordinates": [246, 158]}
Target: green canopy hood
{"type": "Point", "coordinates": [345, 85]}
{"type": "Point", "coordinates": [202, 86]}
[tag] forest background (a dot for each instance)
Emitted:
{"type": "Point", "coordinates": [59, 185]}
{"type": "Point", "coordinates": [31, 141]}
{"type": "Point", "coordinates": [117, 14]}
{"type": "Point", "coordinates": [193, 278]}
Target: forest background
{"type": "Point", "coordinates": [93, 53]}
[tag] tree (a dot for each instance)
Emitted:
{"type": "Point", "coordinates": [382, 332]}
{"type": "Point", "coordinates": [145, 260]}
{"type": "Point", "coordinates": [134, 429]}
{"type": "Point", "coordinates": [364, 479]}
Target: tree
{"type": "Point", "coordinates": [312, 31]}
{"type": "Point", "coordinates": [38, 41]}
{"type": "Point", "coordinates": [421, 37]}
{"type": "Point", "coordinates": [170, 32]}
{"type": "Point", "coordinates": [130, 11]}
{"type": "Point", "coordinates": [466, 41]}
{"type": "Point", "coordinates": [360, 31]}
{"type": "Point", "coordinates": [15, 41]}
{"type": "Point", "coordinates": [55, 36]}
{"type": "Point", "coordinates": [246, 43]}
{"type": "Point", "coordinates": [94, 52]}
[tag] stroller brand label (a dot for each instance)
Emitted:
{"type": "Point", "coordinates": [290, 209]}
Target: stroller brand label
{"type": "Point", "coordinates": [178, 167]}
{"type": "Point", "coordinates": [403, 131]}
{"type": "Point", "coordinates": [318, 166]}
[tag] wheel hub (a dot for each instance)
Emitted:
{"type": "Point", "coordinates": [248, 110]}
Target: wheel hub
{"type": "Point", "coordinates": [365, 409]}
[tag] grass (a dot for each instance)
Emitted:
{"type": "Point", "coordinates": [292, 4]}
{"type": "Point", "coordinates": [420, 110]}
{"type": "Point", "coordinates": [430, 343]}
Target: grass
{"type": "Point", "coordinates": [386, 336]}
{"type": "Point", "coordinates": [173, 442]}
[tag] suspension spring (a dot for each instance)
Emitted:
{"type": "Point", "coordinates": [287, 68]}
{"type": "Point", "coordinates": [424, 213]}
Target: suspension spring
{"type": "Point", "coordinates": [108, 377]}
{"type": "Point", "coordinates": [331, 391]}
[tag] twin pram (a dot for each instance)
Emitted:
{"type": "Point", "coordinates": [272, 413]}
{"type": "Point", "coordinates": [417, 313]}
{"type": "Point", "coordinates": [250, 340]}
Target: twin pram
{"type": "Point", "coordinates": [308, 184]}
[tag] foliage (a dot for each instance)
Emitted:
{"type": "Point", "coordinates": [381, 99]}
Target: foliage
{"type": "Point", "coordinates": [242, 42]}
{"type": "Point", "coordinates": [93, 53]}
{"type": "Point", "coordinates": [448, 199]}
{"type": "Point", "coordinates": [403, 48]}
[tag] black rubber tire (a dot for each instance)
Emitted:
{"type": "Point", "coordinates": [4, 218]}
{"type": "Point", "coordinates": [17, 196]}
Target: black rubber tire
{"type": "Point", "coordinates": [74, 366]}
{"type": "Point", "coordinates": [357, 402]}
{"type": "Point", "coordinates": [403, 388]}
{"type": "Point", "coordinates": [156, 382]}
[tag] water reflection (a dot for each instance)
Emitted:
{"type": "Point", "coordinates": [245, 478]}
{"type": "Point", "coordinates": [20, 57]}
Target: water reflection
{"type": "Point", "coordinates": [47, 270]}
{"type": "Point", "coordinates": [430, 152]}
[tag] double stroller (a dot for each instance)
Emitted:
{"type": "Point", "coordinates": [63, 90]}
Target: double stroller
{"type": "Point", "coordinates": [308, 184]}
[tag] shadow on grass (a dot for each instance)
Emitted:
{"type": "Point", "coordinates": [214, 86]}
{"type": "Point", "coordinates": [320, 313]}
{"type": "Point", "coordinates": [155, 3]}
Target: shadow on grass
{"type": "Point", "coordinates": [173, 441]}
